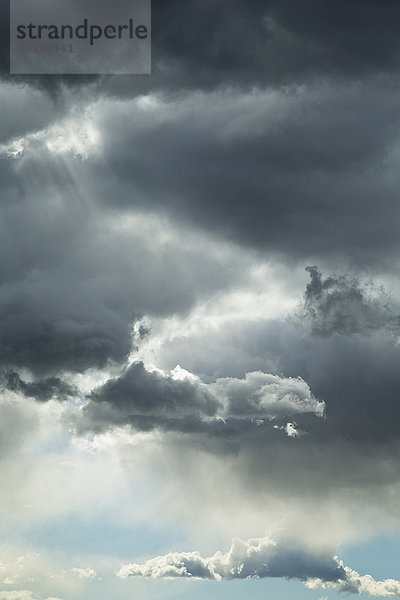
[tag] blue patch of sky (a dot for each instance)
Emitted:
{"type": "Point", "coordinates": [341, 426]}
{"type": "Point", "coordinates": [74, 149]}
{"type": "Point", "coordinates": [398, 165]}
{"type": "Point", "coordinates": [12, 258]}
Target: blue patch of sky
{"type": "Point", "coordinates": [379, 557]}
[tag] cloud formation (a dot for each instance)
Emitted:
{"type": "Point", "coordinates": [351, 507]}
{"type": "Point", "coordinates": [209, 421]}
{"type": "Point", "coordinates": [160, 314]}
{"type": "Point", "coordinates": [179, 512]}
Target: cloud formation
{"type": "Point", "coordinates": [42, 390]}
{"type": "Point", "coordinates": [261, 558]}
{"type": "Point", "coordinates": [256, 558]}
{"type": "Point", "coordinates": [266, 140]}
{"type": "Point", "coordinates": [354, 583]}
{"type": "Point", "coordinates": [148, 400]}
{"type": "Point", "coordinates": [281, 148]}
{"type": "Point", "coordinates": [339, 304]}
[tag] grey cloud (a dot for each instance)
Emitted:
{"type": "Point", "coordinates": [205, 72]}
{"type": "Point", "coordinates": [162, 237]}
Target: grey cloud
{"type": "Point", "coordinates": [80, 275]}
{"type": "Point", "coordinates": [357, 378]}
{"type": "Point", "coordinates": [42, 390]}
{"type": "Point", "coordinates": [355, 372]}
{"type": "Point", "coordinates": [148, 400]}
{"type": "Point", "coordinates": [206, 45]}
{"type": "Point", "coordinates": [339, 304]}
{"type": "Point", "coordinates": [294, 172]}
{"type": "Point", "coordinates": [46, 334]}
{"type": "Point", "coordinates": [273, 41]}
{"type": "Point", "coordinates": [24, 110]}
{"type": "Point", "coordinates": [350, 458]}
{"type": "Point", "coordinates": [255, 165]}
{"type": "Point", "coordinates": [19, 424]}
{"type": "Point", "coordinates": [270, 125]}
{"type": "Point", "coordinates": [264, 395]}
{"type": "Point", "coordinates": [256, 558]}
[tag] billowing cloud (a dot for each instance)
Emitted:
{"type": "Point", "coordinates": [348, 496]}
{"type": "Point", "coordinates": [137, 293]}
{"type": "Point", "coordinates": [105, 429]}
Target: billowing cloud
{"type": "Point", "coordinates": [181, 401]}
{"type": "Point", "coordinates": [261, 558]}
{"type": "Point", "coordinates": [354, 583]}
{"type": "Point", "coordinates": [256, 558]}
{"type": "Point", "coordinates": [266, 396]}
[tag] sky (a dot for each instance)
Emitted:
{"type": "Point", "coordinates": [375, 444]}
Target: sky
{"type": "Point", "coordinates": [200, 314]}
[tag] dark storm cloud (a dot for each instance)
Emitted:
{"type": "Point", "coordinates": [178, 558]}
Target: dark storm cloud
{"type": "Point", "coordinates": [349, 359]}
{"type": "Point", "coordinates": [357, 376]}
{"type": "Point", "coordinates": [296, 170]}
{"type": "Point", "coordinates": [43, 390]}
{"type": "Point", "coordinates": [355, 373]}
{"type": "Point", "coordinates": [298, 173]}
{"type": "Point", "coordinates": [270, 125]}
{"type": "Point", "coordinates": [350, 458]}
{"type": "Point", "coordinates": [58, 324]}
{"type": "Point", "coordinates": [358, 379]}
{"type": "Point", "coordinates": [24, 110]}
{"type": "Point", "coordinates": [208, 44]}
{"type": "Point", "coordinates": [74, 276]}
{"type": "Point", "coordinates": [242, 43]}
{"type": "Point", "coordinates": [229, 407]}
{"type": "Point", "coordinates": [147, 400]}
{"type": "Point", "coordinates": [339, 304]}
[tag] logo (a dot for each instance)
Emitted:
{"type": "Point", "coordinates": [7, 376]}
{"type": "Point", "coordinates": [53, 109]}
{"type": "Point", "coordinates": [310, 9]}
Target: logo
{"type": "Point", "coordinates": [82, 32]}
{"type": "Point", "coordinates": [52, 37]}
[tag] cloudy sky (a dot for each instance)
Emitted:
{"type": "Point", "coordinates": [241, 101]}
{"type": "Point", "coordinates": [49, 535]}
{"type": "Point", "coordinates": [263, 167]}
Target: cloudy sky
{"type": "Point", "coordinates": [200, 313]}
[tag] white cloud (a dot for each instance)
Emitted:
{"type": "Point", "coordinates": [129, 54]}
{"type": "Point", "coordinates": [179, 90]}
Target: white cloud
{"type": "Point", "coordinates": [265, 395]}
{"type": "Point", "coordinates": [76, 136]}
{"type": "Point", "coordinates": [17, 595]}
{"type": "Point", "coordinates": [354, 583]}
{"type": "Point", "coordinates": [21, 595]}
{"type": "Point", "coordinates": [291, 430]}
{"type": "Point", "coordinates": [261, 558]}
{"type": "Point", "coordinates": [255, 558]}
{"type": "Point", "coordinates": [82, 573]}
